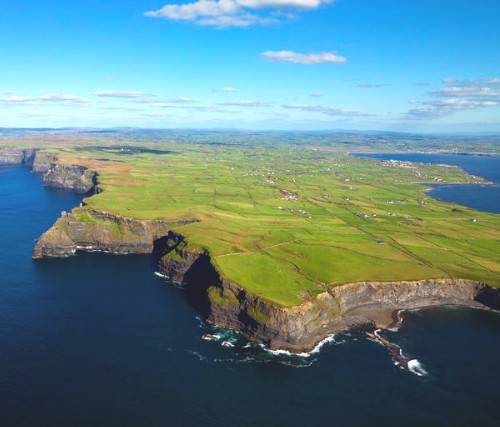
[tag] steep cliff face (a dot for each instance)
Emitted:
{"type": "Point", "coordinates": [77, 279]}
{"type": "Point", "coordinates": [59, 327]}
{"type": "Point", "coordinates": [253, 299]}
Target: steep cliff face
{"type": "Point", "coordinates": [300, 328]}
{"type": "Point", "coordinates": [58, 175]}
{"type": "Point", "coordinates": [42, 161]}
{"type": "Point", "coordinates": [17, 156]}
{"type": "Point", "coordinates": [72, 177]}
{"type": "Point", "coordinates": [90, 230]}
{"type": "Point", "coordinates": [174, 260]}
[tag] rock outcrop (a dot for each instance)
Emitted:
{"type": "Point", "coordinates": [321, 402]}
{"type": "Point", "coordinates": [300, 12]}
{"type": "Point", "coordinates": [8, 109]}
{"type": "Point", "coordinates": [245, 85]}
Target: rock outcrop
{"type": "Point", "coordinates": [95, 231]}
{"type": "Point", "coordinates": [42, 161]}
{"type": "Point", "coordinates": [71, 177]}
{"type": "Point", "coordinates": [17, 156]}
{"type": "Point", "coordinates": [58, 175]}
{"type": "Point", "coordinates": [299, 328]}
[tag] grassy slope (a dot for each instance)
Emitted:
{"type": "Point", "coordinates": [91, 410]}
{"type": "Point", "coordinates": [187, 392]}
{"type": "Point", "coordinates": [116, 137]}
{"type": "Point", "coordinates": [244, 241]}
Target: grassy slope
{"type": "Point", "coordinates": [354, 219]}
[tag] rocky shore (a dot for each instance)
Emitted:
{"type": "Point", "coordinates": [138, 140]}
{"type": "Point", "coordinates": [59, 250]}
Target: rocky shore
{"type": "Point", "coordinates": [223, 303]}
{"type": "Point", "coordinates": [17, 156]}
{"type": "Point", "coordinates": [58, 175]}
{"type": "Point", "coordinates": [300, 328]}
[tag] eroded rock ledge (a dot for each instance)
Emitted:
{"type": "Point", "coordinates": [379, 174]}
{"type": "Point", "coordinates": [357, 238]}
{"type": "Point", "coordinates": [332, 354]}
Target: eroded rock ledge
{"type": "Point", "coordinates": [58, 175]}
{"type": "Point", "coordinates": [95, 231]}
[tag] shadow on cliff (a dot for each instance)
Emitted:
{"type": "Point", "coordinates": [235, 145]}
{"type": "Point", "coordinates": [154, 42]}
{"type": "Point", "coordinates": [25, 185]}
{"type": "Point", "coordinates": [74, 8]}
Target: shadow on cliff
{"type": "Point", "coordinates": [196, 279]}
{"type": "Point", "coordinates": [489, 297]}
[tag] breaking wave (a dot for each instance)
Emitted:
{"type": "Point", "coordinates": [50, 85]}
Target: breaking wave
{"type": "Point", "coordinates": [416, 367]}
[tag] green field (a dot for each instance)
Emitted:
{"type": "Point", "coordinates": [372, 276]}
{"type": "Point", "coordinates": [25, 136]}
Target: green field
{"type": "Point", "coordinates": [287, 221]}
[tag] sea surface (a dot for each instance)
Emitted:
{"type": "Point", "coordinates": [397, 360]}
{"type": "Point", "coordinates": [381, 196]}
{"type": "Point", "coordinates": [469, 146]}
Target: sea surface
{"type": "Point", "coordinates": [481, 197]}
{"type": "Point", "coordinates": [99, 340]}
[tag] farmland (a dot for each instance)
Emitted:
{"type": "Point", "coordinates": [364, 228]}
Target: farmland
{"type": "Point", "coordinates": [288, 221]}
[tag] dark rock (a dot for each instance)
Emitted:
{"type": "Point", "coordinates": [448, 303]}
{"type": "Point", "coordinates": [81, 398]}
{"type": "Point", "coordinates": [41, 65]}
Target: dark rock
{"type": "Point", "coordinates": [71, 177]}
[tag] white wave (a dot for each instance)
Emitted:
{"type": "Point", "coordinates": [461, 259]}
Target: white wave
{"type": "Point", "coordinates": [211, 337]}
{"type": "Point", "coordinates": [160, 275]}
{"type": "Point", "coordinates": [227, 344]}
{"type": "Point", "coordinates": [416, 367]}
{"type": "Point", "coordinates": [316, 349]}
{"type": "Point", "coordinates": [197, 354]}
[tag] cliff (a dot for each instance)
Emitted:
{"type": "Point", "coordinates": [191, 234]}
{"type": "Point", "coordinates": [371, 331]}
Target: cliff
{"type": "Point", "coordinates": [42, 161]}
{"type": "Point", "coordinates": [300, 328]}
{"type": "Point", "coordinates": [72, 177]}
{"type": "Point", "coordinates": [58, 175]}
{"type": "Point", "coordinates": [17, 156]}
{"type": "Point", "coordinates": [90, 230]}
{"type": "Point", "coordinates": [223, 303]}
{"type": "Point", "coordinates": [297, 328]}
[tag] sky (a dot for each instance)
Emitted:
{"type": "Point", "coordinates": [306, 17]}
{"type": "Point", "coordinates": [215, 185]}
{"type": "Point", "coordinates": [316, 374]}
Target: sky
{"type": "Point", "coordinates": [400, 65]}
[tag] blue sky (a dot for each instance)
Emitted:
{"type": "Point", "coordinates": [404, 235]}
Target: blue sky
{"type": "Point", "coordinates": [407, 65]}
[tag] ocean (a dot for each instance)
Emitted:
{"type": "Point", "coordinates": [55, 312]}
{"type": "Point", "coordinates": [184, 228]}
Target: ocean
{"type": "Point", "coordinates": [100, 340]}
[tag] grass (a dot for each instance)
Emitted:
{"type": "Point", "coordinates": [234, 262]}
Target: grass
{"type": "Point", "coordinates": [354, 219]}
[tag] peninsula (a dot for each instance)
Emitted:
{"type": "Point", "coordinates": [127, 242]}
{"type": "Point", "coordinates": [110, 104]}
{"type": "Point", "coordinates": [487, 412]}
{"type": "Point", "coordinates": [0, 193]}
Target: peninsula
{"type": "Point", "coordinates": [286, 243]}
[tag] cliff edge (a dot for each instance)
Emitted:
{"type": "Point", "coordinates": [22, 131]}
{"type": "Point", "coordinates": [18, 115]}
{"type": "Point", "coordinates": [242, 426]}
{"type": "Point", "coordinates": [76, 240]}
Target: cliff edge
{"type": "Point", "coordinates": [223, 303]}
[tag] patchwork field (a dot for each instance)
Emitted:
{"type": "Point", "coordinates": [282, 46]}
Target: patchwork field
{"type": "Point", "coordinates": [286, 221]}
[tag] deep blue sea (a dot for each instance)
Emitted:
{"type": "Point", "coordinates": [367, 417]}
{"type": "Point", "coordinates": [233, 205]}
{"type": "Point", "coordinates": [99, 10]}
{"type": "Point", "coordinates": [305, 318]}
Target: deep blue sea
{"type": "Point", "coordinates": [99, 340]}
{"type": "Point", "coordinates": [482, 197]}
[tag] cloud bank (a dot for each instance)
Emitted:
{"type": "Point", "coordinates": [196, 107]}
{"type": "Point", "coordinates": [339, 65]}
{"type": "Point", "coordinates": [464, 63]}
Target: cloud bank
{"type": "Point", "coordinates": [304, 58]}
{"type": "Point", "coordinates": [329, 111]}
{"type": "Point", "coordinates": [458, 96]}
{"type": "Point", "coordinates": [234, 13]}
{"type": "Point", "coordinates": [40, 100]}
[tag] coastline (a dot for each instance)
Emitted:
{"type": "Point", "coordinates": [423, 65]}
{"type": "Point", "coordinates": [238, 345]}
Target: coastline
{"type": "Point", "coordinates": [296, 329]}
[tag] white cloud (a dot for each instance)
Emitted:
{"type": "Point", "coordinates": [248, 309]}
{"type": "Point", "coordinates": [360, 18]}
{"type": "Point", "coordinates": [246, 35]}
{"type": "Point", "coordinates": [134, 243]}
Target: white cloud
{"type": "Point", "coordinates": [372, 85]}
{"type": "Point", "coordinates": [244, 103]}
{"type": "Point", "coordinates": [433, 110]}
{"type": "Point", "coordinates": [164, 105]}
{"type": "Point", "coordinates": [182, 99]}
{"type": "Point", "coordinates": [195, 10]}
{"type": "Point", "coordinates": [275, 4]}
{"type": "Point", "coordinates": [123, 94]}
{"type": "Point", "coordinates": [303, 58]}
{"type": "Point", "coordinates": [469, 91]}
{"type": "Point", "coordinates": [330, 111]}
{"type": "Point", "coordinates": [154, 115]}
{"type": "Point", "coordinates": [229, 89]}
{"type": "Point", "coordinates": [44, 99]}
{"type": "Point", "coordinates": [232, 13]}
{"type": "Point", "coordinates": [449, 80]}
{"type": "Point", "coordinates": [464, 95]}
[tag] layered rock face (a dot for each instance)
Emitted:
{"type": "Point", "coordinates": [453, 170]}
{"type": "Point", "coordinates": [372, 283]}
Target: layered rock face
{"type": "Point", "coordinates": [296, 329]}
{"type": "Point", "coordinates": [89, 230]}
{"type": "Point", "coordinates": [300, 328]}
{"type": "Point", "coordinates": [42, 161]}
{"type": "Point", "coordinates": [72, 177]}
{"type": "Point", "coordinates": [16, 156]}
